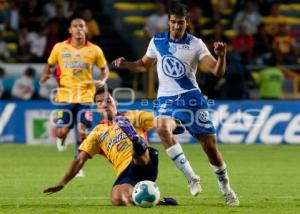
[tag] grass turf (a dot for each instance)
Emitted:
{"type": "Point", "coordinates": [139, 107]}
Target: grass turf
{"type": "Point", "coordinates": [266, 178]}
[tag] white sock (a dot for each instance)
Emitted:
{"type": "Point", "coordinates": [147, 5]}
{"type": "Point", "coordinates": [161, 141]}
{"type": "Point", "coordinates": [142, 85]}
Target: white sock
{"type": "Point", "coordinates": [175, 152]}
{"type": "Point", "coordinates": [222, 176]}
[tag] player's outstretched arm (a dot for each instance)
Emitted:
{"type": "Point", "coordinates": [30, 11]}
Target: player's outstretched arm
{"type": "Point", "coordinates": [139, 65]}
{"type": "Point", "coordinates": [74, 168]}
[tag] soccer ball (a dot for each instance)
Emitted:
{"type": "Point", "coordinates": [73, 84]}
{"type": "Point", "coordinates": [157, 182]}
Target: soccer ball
{"type": "Point", "coordinates": [145, 194]}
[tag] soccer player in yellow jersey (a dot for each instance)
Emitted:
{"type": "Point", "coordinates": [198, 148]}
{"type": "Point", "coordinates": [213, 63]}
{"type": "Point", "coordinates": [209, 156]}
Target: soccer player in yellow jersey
{"type": "Point", "coordinates": [73, 60]}
{"type": "Point", "coordinates": [118, 138]}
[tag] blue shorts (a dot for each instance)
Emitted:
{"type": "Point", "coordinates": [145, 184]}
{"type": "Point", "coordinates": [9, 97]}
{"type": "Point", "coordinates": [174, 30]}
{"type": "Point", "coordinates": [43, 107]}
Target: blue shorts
{"type": "Point", "coordinates": [190, 108]}
{"type": "Point", "coordinates": [134, 173]}
{"type": "Point", "coordinates": [72, 113]}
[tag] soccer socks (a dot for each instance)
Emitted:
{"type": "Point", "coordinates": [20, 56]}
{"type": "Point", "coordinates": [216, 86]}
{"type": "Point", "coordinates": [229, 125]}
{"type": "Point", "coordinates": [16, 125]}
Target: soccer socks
{"type": "Point", "coordinates": [175, 152]}
{"type": "Point", "coordinates": [61, 144]}
{"type": "Point", "coordinates": [222, 177]}
{"type": "Point", "coordinates": [230, 196]}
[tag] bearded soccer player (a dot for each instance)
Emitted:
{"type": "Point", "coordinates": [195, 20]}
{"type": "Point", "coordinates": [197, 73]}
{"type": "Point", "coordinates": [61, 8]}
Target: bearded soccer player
{"type": "Point", "coordinates": [73, 61]}
{"type": "Point", "coordinates": [118, 139]}
{"type": "Point", "coordinates": [181, 103]}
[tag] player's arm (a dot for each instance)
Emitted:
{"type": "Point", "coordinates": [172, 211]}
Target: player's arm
{"type": "Point", "coordinates": [74, 168]}
{"type": "Point", "coordinates": [217, 67]}
{"type": "Point", "coordinates": [51, 65]}
{"type": "Point", "coordinates": [47, 73]}
{"type": "Point", "coordinates": [140, 65]}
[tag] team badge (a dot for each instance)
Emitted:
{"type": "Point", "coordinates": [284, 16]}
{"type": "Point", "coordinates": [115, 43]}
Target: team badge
{"type": "Point", "coordinates": [173, 67]}
{"type": "Point", "coordinates": [66, 55]}
{"type": "Point", "coordinates": [203, 116]}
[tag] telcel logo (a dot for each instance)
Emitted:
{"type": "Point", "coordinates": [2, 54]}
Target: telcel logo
{"type": "Point", "coordinates": [257, 125]}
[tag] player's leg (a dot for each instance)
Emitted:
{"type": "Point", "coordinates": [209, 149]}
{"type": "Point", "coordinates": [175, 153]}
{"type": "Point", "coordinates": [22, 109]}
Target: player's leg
{"type": "Point", "coordinates": [209, 145]}
{"type": "Point", "coordinates": [83, 120]}
{"type": "Point", "coordinates": [139, 145]}
{"type": "Point", "coordinates": [165, 127]}
{"type": "Point", "coordinates": [61, 135]}
{"type": "Point", "coordinates": [81, 130]}
{"type": "Point", "coordinates": [64, 122]}
{"type": "Point", "coordinates": [79, 138]}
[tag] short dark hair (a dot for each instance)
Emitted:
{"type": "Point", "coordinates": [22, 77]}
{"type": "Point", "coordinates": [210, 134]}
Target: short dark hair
{"type": "Point", "coordinates": [30, 72]}
{"type": "Point", "coordinates": [102, 90]}
{"type": "Point", "coordinates": [178, 9]}
{"type": "Point", "coordinates": [74, 18]}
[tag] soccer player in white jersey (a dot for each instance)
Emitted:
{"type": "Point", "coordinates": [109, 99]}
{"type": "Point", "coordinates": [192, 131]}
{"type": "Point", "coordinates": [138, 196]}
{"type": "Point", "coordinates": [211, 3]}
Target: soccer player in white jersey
{"type": "Point", "coordinates": [181, 102]}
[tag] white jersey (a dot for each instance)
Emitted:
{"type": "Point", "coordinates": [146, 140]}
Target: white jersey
{"type": "Point", "coordinates": [177, 62]}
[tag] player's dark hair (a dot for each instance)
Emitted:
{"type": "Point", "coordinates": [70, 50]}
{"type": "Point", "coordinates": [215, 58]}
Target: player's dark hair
{"type": "Point", "coordinates": [178, 9]}
{"type": "Point", "coordinates": [102, 90]}
{"type": "Point", "coordinates": [73, 18]}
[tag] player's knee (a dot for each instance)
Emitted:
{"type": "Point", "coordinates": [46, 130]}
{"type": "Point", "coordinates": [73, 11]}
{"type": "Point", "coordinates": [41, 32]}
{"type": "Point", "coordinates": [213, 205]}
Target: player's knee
{"type": "Point", "coordinates": [81, 137]}
{"type": "Point", "coordinates": [116, 201]}
{"type": "Point", "coordinates": [163, 130]}
{"type": "Point", "coordinates": [61, 132]}
{"type": "Point", "coordinates": [121, 200]}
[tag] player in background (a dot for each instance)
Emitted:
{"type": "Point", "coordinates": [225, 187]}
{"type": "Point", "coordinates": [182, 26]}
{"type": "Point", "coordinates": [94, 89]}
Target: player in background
{"type": "Point", "coordinates": [181, 102]}
{"type": "Point", "coordinates": [118, 138]}
{"type": "Point", "coordinates": [73, 61]}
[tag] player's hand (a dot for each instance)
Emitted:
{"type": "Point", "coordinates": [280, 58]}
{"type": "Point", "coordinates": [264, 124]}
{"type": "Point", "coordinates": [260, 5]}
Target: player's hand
{"type": "Point", "coordinates": [99, 83]}
{"type": "Point", "coordinates": [120, 62]}
{"type": "Point", "coordinates": [44, 78]}
{"type": "Point", "coordinates": [220, 48]}
{"type": "Point", "coordinates": [53, 189]}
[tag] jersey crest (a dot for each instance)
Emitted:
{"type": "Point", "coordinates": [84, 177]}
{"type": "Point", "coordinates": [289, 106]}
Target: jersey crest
{"type": "Point", "coordinates": [173, 67]}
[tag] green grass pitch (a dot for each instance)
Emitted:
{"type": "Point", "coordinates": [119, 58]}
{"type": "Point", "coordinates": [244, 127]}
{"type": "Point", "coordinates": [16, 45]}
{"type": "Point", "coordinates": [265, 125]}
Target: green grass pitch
{"type": "Point", "coordinates": [266, 178]}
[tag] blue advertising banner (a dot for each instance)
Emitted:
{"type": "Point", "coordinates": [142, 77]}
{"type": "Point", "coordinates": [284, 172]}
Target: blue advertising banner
{"type": "Point", "coordinates": [246, 122]}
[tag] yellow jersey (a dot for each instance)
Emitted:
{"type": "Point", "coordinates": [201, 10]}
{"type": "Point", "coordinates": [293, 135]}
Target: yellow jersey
{"type": "Point", "coordinates": [111, 142]}
{"type": "Point", "coordinates": [75, 70]}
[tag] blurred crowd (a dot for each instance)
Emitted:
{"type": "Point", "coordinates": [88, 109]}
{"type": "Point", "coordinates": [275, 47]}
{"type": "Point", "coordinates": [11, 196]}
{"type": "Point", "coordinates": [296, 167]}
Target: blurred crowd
{"type": "Point", "coordinates": [30, 28]}
{"type": "Point", "coordinates": [256, 32]}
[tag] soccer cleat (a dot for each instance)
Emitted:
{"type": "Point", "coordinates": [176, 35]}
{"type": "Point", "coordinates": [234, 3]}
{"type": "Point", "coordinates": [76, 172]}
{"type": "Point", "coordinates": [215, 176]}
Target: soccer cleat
{"type": "Point", "coordinates": [80, 173]}
{"type": "Point", "coordinates": [61, 144]}
{"type": "Point", "coordinates": [139, 144]}
{"type": "Point", "coordinates": [231, 198]}
{"type": "Point", "coordinates": [126, 127]}
{"type": "Point", "coordinates": [167, 201]}
{"type": "Point", "coordinates": [194, 185]}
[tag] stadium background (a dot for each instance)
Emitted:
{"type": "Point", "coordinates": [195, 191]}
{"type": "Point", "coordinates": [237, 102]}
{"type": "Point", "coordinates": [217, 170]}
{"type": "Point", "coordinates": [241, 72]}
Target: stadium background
{"type": "Point", "coordinates": [119, 28]}
{"type": "Point", "coordinates": [121, 25]}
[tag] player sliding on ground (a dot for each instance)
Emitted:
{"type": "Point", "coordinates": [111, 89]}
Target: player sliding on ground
{"type": "Point", "coordinates": [116, 139]}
